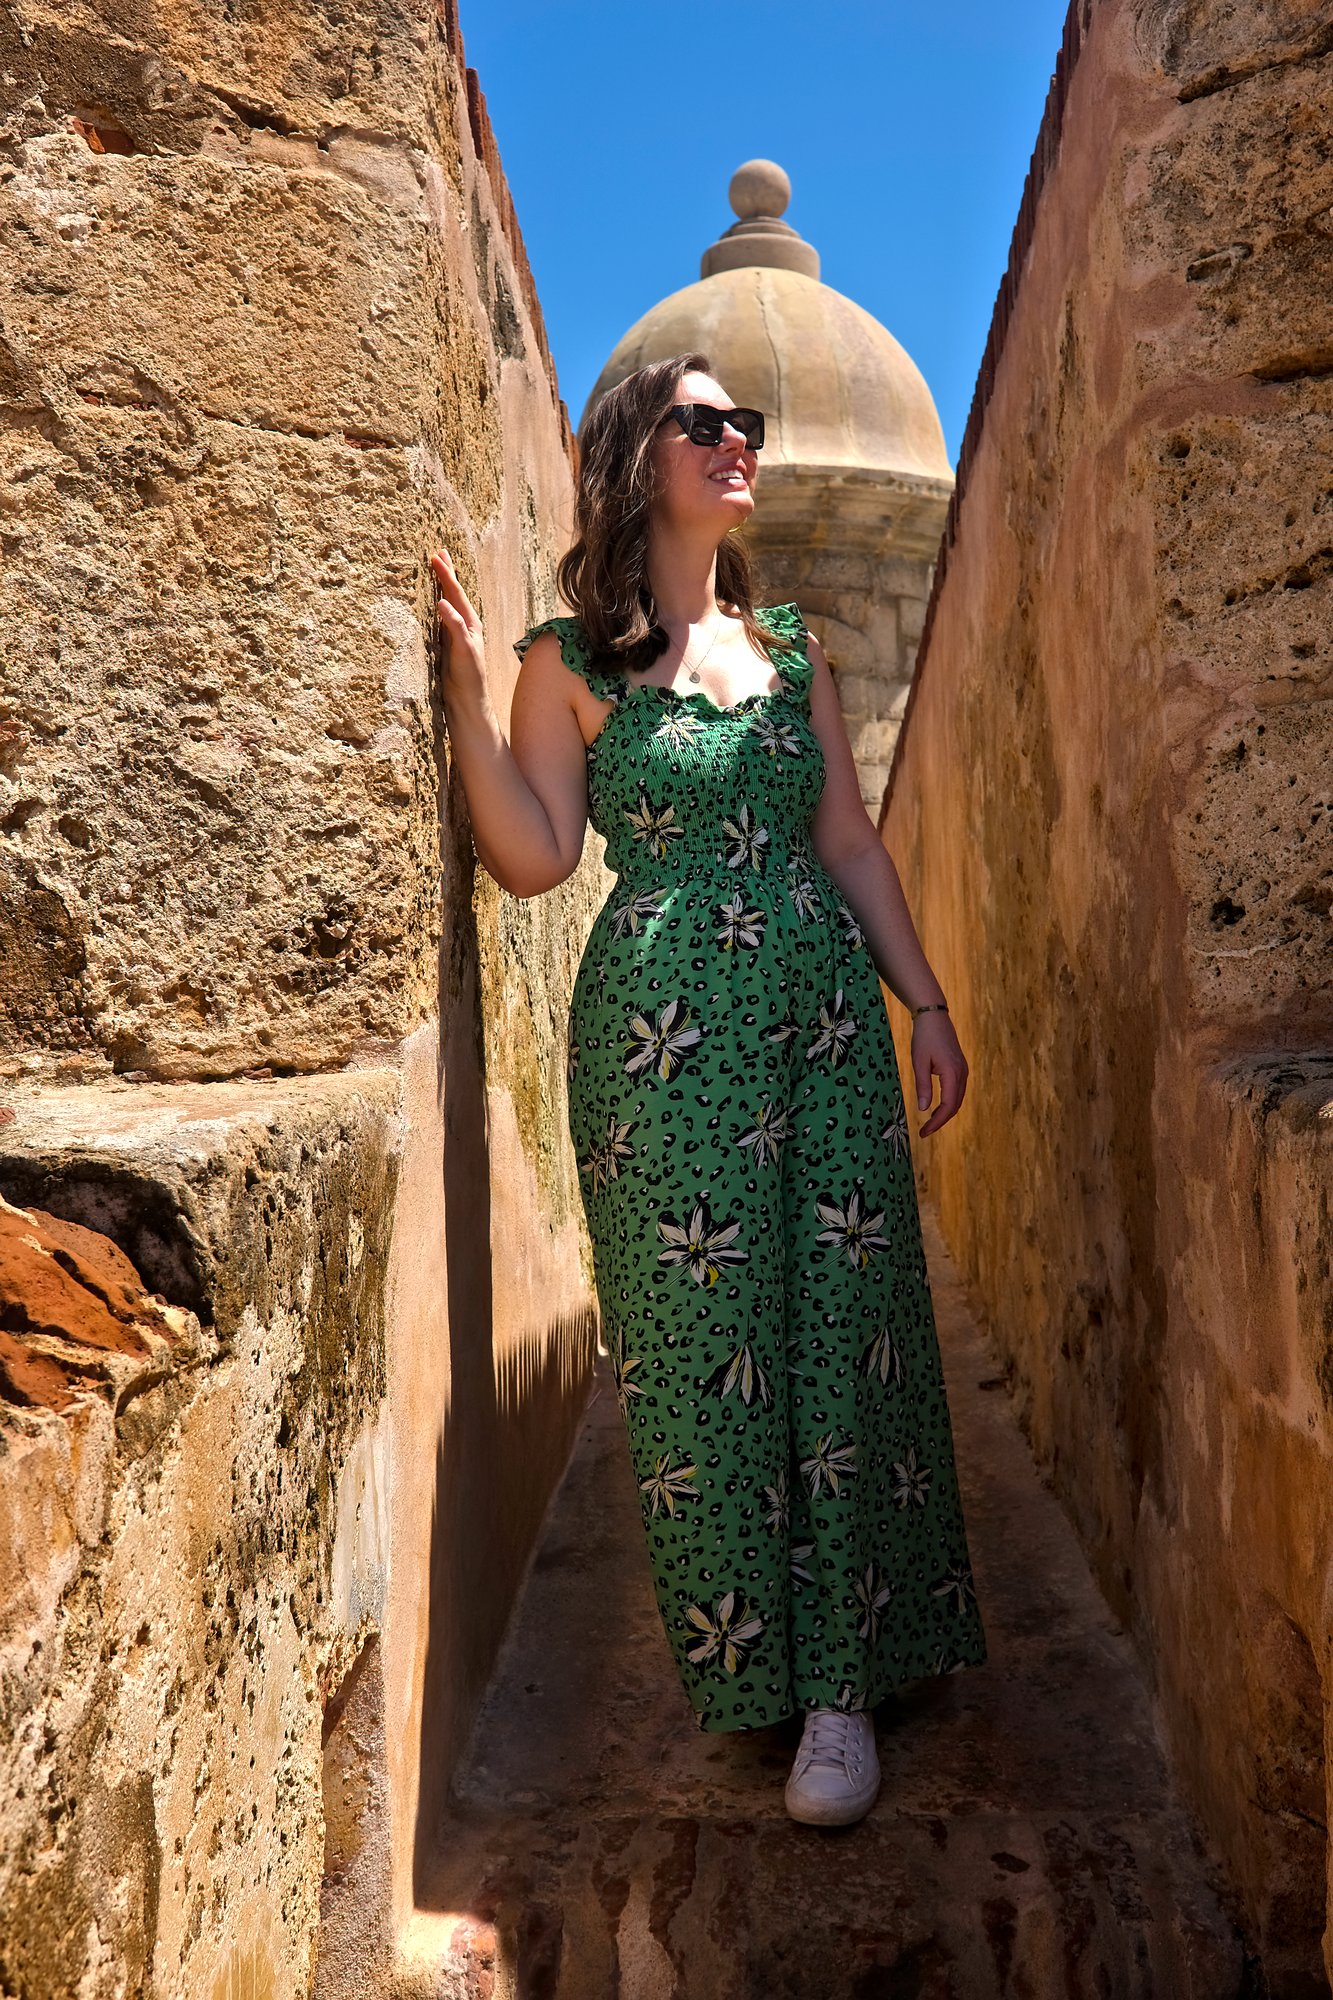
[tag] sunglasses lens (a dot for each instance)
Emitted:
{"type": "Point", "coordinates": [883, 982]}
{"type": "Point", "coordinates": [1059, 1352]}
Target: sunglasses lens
{"type": "Point", "coordinates": [706, 424]}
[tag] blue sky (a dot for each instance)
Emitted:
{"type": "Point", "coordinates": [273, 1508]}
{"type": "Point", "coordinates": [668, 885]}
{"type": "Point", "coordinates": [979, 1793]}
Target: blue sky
{"type": "Point", "coordinates": [906, 130]}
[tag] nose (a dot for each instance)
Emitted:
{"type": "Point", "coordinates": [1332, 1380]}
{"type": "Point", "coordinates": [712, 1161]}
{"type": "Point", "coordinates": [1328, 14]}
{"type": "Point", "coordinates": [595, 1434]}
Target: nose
{"type": "Point", "coordinates": [733, 437]}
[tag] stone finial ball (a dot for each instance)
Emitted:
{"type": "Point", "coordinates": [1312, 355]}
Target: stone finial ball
{"type": "Point", "coordinates": [759, 188]}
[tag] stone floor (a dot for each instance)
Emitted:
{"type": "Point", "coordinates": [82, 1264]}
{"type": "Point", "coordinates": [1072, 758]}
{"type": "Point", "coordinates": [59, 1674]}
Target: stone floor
{"type": "Point", "coordinates": [1026, 1841]}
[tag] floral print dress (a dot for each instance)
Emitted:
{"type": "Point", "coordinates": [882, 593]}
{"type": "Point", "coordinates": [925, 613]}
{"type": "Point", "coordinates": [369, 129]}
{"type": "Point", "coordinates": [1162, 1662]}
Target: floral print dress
{"type": "Point", "coordinates": [742, 1150]}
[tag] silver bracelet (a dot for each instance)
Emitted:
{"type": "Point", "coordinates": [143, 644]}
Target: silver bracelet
{"type": "Point", "coordinates": [931, 1007]}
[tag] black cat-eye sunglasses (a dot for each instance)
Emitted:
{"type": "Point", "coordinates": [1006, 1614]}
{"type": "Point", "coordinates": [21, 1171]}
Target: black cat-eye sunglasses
{"type": "Point", "coordinates": [702, 423]}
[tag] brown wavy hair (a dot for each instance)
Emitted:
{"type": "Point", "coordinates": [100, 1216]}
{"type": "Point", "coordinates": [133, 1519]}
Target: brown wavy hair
{"type": "Point", "coordinates": [603, 576]}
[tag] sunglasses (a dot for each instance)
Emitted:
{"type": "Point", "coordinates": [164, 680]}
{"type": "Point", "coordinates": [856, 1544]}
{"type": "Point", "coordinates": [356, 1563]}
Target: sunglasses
{"type": "Point", "coordinates": [702, 424]}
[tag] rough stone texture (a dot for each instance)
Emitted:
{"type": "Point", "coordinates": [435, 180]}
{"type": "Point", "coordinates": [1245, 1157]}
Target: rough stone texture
{"type": "Point", "coordinates": [267, 338]}
{"type": "Point", "coordinates": [1110, 808]}
{"type": "Point", "coordinates": [173, 1552]}
{"type": "Point", "coordinates": [1025, 1843]}
{"type": "Point", "coordinates": [253, 365]}
{"type": "Point", "coordinates": [74, 1316]}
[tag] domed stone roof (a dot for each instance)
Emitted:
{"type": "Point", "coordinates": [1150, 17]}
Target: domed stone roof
{"type": "Point", "coordinates": [837, 388]}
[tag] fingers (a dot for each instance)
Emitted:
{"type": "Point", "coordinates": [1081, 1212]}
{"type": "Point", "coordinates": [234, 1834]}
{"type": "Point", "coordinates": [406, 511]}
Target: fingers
{"type": "Point", "coordinates": [452, 606]}
{"type": "Point", "coordinates": [953, 1087]}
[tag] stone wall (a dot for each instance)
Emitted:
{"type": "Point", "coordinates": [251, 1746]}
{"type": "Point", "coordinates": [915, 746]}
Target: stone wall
{"type": "Point", "coordinates": [267, 338]}
{"type": "Point", "coordinates": [1110, 805]}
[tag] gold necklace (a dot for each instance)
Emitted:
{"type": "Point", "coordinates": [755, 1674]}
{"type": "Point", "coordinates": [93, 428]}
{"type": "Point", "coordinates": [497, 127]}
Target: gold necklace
{"type": "Point", "coordinates": [692, 673]}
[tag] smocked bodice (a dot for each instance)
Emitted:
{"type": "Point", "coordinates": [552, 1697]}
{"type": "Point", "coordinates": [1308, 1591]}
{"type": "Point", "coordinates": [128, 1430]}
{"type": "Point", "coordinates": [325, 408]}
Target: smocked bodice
{"type": "Point", "coordinates": [679, 786]}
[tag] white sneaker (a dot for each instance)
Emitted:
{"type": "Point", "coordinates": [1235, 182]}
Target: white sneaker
{"type": "Point", "coordinates": [835, 1777]}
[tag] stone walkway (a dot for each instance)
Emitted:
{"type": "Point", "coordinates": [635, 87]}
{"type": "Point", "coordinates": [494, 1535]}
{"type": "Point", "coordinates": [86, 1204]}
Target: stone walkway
{"type": "Point", "coordinates": [1026, 1841]}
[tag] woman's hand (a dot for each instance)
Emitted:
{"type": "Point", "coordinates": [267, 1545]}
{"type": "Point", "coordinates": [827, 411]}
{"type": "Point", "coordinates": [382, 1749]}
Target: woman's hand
{"type": "Point", "coordinates": [527, 803]}
{"type": "Point", "coordinates": [465, 667]}
{"type": "Point", "coordinates": [936, 1048]}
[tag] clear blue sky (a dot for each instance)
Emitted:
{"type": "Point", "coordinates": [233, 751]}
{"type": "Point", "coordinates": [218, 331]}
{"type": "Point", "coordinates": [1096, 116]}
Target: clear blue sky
{"type": "Point", "coordinates": [906, 130]}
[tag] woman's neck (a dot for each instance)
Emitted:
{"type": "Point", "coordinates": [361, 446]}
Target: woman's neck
{"type": "Point", "coordinates": [683, 578]}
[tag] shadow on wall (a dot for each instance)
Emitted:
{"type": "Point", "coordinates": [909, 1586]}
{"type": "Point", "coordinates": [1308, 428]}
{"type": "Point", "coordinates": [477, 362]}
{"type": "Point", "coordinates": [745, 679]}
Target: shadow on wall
{"type": "Point", "coordinates": [509, 1423]}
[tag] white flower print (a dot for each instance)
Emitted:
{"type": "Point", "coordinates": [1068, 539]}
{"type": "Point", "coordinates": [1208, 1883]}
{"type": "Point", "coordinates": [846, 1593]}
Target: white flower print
{"type": "Point", "coordinates": [740, 1371]}
{"type": "Point", "coordinates": [747, 840]}
{"type": "Point", "coordinates": [637, 911]}
{"type": "Point", "coordinates": [605, 1155]}
{"type": "Point", "coordinates": [729, 1630]}
{"type": "Point", "coordinates": [784, 1031]}
{"type": "Point", "coordinates": [836, 1028]}
{"type": "Point", "coordinates": [655, 823]}
{"type": "Point", "coordinates": [775, 736]}
{"type": "Point", "coordinates": [667, 1483]}
{"type": "Point", "coordinates": [572, 1061]}
{"type": "Point", "coordinates": [703, 1247]}
{"type": "Point", "coordinates": [622, 1374]}
{"type": "Point", "coordinates": [828, 1464]}
{"type": "Point", "coordinates": [872, 1593]}
{"type": "Point", "coordinates": [768, 1132]}
{"type": "Point", "coordinates": [947, 1663]}
{"type": "Point", "coordinates": [851, 928]}
{"type": "Point", "coordinates": [911, 1482]}
{"type": "Point", "coordinates": [894, 1134]}
{"type": "Point", "coordinates": [882, 1358]}
{"type": "Point", "coordinates": [679, 728]}
{"type": "Point", "coordinates": [662, 1044]}
{"type": "Point", "coordinates": [778, 1497]}
{"type": "Point", "coordinates": [739, 925]}
{"type": "Point", "coordinates": [804, 898]}
{"type": "Point", "coordinates": [800, 1561]}
{"type": "Point", "coordinates": [850, 1697]}
{"type": "Point", "coordinates": [956, 1583]}
{"type": "Point", "coordinates": [850, 1229]}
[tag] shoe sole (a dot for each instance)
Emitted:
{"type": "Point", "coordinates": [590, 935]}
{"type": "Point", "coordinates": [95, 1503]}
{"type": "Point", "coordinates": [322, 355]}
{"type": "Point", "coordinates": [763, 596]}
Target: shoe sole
{"type": "Point", "coordinates": [832, 1812]}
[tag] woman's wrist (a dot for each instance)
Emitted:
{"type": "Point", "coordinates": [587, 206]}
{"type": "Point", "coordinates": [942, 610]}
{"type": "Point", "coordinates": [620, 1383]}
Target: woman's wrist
{"type": "Point", "coordinates": [930, 1007]}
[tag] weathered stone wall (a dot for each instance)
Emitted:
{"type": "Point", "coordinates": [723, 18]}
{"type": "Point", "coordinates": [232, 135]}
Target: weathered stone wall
{"type": "Point", "coordinates": [176, 1603]}
{"type": "Point", "coordinates": [1110, 805]}
{"type": "Point", "coordinates": [267, 338]}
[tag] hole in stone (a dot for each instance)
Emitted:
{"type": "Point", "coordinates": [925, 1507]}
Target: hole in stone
{"type": "Point", "coordinates": [140, 1218]}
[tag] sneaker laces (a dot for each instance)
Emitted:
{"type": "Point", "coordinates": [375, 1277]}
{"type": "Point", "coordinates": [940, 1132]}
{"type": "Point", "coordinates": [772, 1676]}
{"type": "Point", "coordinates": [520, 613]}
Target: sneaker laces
{"type": "Point", "coordinates": [828, 1736]}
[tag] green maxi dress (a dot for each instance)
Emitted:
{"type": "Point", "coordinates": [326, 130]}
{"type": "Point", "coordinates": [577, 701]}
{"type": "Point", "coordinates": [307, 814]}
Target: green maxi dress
{"type": "Point", "coordinates": [741, 1140]}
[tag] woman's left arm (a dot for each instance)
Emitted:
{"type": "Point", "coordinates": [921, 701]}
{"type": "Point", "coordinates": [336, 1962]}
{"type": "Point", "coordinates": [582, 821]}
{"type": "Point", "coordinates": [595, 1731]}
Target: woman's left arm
{"type": "Point", "coordinates": [849, 847]}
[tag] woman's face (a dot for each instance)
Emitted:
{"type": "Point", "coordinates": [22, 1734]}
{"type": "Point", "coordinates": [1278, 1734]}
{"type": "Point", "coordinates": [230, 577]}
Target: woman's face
{"type": "Point", "coordinates": [703, 484]}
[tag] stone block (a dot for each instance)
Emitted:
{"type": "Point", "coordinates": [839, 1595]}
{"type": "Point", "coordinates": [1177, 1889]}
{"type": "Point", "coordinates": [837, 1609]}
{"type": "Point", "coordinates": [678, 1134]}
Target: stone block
{"type": "Point", "coordinates": [220, 779]}
{"type": "Point", "coordinates": [165, 1700]}
{"type": "Point", "coordinates": [1231, 211]}
{"type": "Point", "coordinates": [283, 300]}
{"type": "Point", "coordinates": [911, 619]}
{"type": "Point", "coordinates": [830, 571]}
{"type": "Point", "coordinates": [873, 743]}
{"type": "Point", "coordinates": [1244, 559]}
{"type": "Point", "coordinates": [178, 79]}
{"type": "Point", "coordinates": [1253, 850]}
{"type": "Point", "coordinates": [864, 695]}
{"type": "Point", "coordinates": [1209, 45]}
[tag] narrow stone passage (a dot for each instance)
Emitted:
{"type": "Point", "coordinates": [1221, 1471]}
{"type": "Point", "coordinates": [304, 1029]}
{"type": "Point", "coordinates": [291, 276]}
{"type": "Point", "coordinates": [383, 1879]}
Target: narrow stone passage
{"type": "Point", "coordinates": [1026, 1842]}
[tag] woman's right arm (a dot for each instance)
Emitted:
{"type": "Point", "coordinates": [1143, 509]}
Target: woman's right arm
{"type": "Point", "coordinates": [527, 799]}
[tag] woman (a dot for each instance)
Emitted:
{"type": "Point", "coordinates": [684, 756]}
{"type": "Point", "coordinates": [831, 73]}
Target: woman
{"type": "Point", "coordinates": [735, 1103]}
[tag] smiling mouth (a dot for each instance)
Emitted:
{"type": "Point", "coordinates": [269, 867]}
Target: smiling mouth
{"type": "Point", "coordinates": [733, 476]}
